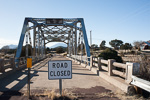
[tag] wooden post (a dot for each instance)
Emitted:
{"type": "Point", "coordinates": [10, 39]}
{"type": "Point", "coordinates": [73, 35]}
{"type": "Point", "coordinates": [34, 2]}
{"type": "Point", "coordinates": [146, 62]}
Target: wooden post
{"type": "Point", "coordinates": [2, 69]}
{"type": "Point", "coordinates": [110, 66]}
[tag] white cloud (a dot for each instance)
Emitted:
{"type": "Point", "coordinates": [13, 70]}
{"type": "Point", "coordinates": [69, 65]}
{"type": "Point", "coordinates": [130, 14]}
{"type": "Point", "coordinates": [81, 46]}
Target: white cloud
{"type": "Point", "coordinates": [4, 42]}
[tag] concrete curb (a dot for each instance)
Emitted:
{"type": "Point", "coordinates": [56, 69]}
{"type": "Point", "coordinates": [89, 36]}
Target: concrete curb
{"type": "Point", "coordinates": [120, 83]}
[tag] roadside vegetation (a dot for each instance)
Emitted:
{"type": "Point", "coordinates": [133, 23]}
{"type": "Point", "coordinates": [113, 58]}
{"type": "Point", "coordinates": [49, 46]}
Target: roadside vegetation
{"type": "Point", "coordinates": [144, 71]}
{"type": "Point", "coordinates": [120, 51]}
{"type": "Point", "coordinates": [52, 95]}
{"type": "Point", "coordinates": [69, 95]}
{"type": "Point", "coordinates": [125, 52]}
{"type": "Point", "coordinates": [110, 54]}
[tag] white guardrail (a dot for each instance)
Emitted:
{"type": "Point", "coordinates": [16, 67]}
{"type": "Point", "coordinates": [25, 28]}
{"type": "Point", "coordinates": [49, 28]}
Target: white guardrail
{"type": "Point", "coordinates": [141, 83]}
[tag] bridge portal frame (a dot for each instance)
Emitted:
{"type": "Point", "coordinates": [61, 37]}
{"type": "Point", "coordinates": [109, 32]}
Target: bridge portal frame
{"type": "Point", "coordinates": [40, 38]}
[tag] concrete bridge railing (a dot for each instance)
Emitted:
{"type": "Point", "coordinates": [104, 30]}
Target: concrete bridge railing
{"type": "Point", "coordinates": [7, 63]}
{"type": "Point", "coordinates": [124, 71]}
{"type": "Point", "coordinates": [8, 66]}
{"type": "Point", "coordinates": [118, 74]}
{"type": "Point", "coordinates": [112, 67]}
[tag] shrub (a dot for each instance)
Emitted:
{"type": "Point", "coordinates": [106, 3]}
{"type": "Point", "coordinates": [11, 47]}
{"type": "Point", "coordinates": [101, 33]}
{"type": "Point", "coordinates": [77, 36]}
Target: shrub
{"type": "Point", "coordinates": [60, 50]}
{"type": "Point", "coordinates": [132, 52]}
{"type": "Point", "coordinates": [65, 54]}
{"type": "Point", "coordinates": [144, 67]}
{"type": "Point", "coordinates": [121, 54]}
{"type": "Point", "coordinates": [110, 54]}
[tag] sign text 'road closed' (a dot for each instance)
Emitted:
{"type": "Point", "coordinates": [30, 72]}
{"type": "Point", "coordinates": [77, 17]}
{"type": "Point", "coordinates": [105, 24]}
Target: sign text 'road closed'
{"type": "Point", "coordinates": [60, 69]}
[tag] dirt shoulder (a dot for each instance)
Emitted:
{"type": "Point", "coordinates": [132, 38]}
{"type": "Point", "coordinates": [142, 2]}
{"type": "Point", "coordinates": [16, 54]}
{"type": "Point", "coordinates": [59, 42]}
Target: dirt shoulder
{"type": "Point", "coordinates": [94, 93]}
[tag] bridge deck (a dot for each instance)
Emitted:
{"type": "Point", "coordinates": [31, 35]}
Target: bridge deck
{"type": "Point", "coordinates": [81, 78]}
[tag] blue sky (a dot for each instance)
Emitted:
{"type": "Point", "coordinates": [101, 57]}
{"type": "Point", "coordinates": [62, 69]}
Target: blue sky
{"type": "Point", "coordinates": [126, 20]}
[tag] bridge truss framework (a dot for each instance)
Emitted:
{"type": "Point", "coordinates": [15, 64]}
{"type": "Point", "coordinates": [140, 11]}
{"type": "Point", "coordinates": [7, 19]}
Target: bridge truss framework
{"type": "Point", "coordinates": [45, 30]}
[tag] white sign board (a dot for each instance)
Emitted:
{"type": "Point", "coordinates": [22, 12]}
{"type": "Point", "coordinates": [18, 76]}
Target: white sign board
{"type": "Point", "coordinates": [60, 69]}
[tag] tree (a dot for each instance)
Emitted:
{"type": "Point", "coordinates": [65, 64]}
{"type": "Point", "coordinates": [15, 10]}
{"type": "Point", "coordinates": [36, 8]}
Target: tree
{"type": "Point", "coordinates": [126, 46]}
{"type": "Point", "coordinates": [110, 54]}
{"type": "Point", "coordinates": [102, 45]}
{"type": "Point", "coordinates": [94, 47]}
{"type": "Point", "coordinates": [23, 52]}
{"type": "Point", "coordinates": [47, 50]}
{"type": "Point", "coordinates": [60, 50]}
{"type": "Point", "coordinates": [116, 43]}
{"type": "Point", "coordinates": [137, 44]}
{"type": "Point", "coordinates": [79, 48]}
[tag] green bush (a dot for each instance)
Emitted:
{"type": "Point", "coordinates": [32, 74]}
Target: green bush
{"type": "Point", "coordinates": [132, 52]}
{"type": "Point", "coordinates": [110, 54]}
{"type": "Point", "coordinates": [60, 50]}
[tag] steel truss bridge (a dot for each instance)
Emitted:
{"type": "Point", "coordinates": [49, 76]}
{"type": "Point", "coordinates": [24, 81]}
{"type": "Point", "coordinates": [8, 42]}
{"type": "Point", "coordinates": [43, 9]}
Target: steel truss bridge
{"type": "Point", "coordinates": [45, 30]}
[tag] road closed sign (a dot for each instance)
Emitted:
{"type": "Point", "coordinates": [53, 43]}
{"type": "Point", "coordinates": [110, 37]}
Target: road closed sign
{"type": "Point", "coordinates": [60, 69]}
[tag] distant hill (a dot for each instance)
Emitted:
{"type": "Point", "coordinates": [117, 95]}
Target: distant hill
{"type": "Point", "coordinates": [58, 45]}
{"type": "Point", "coordinates": [12, 46]}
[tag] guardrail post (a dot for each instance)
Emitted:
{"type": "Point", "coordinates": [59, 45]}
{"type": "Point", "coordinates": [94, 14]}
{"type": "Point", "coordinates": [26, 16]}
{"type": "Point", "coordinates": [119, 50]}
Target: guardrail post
{"type": "Point", "coordinates": [91, 61]}
{"type": "Point", "coordinates": [99, 63]}
{"type": "Point", "coordinates": [131, 69]}
{"type": "Point", "coordinates": [129, 72]}
{"type": "Point", "coordinates": [110, 66]}
{"type": "Point", "coordinates": [2, 69]}
{"type": "Point", "coordinates": [12, 62]}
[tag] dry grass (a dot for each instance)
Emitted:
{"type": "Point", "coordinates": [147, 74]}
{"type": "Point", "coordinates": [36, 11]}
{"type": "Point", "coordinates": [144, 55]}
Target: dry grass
{"type": "Point", "coordinates": [53, 95]}
{"type": "Point", "coordinates": [144, 67]}
{"type": "Point", "coordinates": [120, 95]}
{"type": "Point", "coordinates": [108, 94]}
{"type": "Point", "coordinates": [67, 95]}
{"type": "Point", "coordinates": [144, 61]}
{"type": "Point", "coordinates": [124, 96]}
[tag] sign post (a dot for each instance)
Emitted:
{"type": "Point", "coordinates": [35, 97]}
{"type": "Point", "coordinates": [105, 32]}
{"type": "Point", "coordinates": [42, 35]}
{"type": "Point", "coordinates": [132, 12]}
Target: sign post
{"type": "Point", "coordinates": [29, 65]}
{"type": "Point", "coordinates": [60, 86]}
{"type": "Point", "coordinates": [60, 69]}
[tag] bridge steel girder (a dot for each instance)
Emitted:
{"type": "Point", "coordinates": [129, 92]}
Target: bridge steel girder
{"type": "Point", "coordinates": [63, 32]}
{"type": "Point", "coordinates": [19, 49]}
{"type": "Point", "coordinates": [85, 37]}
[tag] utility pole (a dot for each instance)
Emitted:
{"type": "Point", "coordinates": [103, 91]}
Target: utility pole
{"type": "Point", "coordinates": [91, 37]}
{"type": "Point", "coordinates": [91, 40]}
